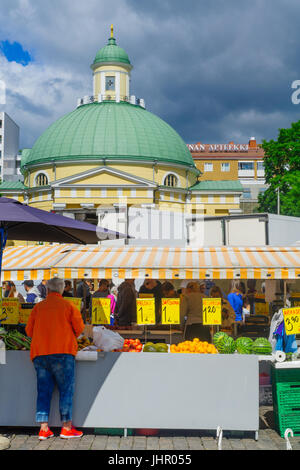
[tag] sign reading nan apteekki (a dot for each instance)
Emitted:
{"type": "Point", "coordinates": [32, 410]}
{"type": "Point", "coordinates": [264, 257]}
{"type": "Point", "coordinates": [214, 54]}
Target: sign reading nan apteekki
{"type": "Point", "coordinates": [218, 148]}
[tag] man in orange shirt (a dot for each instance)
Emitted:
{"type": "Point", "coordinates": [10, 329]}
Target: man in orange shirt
{"type": "Point", "coordinates": [54, 325]}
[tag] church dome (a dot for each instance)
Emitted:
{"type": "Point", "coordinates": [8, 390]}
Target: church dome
{"type": "Point", "coordinates": [112, 131]}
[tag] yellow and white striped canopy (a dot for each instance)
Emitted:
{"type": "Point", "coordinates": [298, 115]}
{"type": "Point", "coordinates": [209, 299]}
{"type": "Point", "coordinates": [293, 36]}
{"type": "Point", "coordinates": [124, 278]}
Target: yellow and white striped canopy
{"type": "Point", "coordinates": [97, 262]}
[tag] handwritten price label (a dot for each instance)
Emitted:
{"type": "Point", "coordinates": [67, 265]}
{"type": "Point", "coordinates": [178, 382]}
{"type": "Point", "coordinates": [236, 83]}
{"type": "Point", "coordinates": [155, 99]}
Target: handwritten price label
{"type": "Point", "coordinates": [291, 320]}
{"type": "Point", "coordinates": [212, 312]}
{"type": "Point", "coordinates": [101, 311]}
{"type": "Point", "coordinates": [24, 313]}
{"type": "Point", "coordinates": [170, 311]}
{"type": "Point", "coordinates": [75, 301]}
{"type": "Point", "coordinates": [145, 311]}
{"type": "Point", "coordinates": [10, 312]}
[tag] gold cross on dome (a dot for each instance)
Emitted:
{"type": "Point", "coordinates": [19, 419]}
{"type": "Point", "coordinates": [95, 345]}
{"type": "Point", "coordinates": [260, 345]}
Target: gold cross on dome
{"type": "Point", "coordinates": [112, 31]}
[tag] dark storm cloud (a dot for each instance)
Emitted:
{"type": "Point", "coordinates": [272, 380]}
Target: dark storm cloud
{"type": "Point", "coordinates": [215, 70]}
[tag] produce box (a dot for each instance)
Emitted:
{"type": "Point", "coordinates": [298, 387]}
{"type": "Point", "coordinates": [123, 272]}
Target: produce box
{"type": "Point", "coordinates": [284, 421]}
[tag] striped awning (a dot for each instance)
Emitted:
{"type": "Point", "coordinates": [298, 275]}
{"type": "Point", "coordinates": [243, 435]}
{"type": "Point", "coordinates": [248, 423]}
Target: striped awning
{"type": "Point", "coordinates": [97, 262]}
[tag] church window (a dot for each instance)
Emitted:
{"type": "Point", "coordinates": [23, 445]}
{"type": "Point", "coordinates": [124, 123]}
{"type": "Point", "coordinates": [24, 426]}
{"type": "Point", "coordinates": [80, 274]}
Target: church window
{"type": "Point", "coordinates": [41, 180]}
{"type": "Point", "coordinates": [171, 180]}
{"type": "Point", "coordinates": [110, 83]}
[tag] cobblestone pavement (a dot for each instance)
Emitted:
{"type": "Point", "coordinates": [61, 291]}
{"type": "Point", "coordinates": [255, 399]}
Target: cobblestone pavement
{"type": "Point", "coordinates": [268, 439]}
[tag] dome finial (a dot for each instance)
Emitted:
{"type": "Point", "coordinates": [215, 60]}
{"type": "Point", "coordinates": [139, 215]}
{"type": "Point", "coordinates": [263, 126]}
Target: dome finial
{"type": "Point", "coordinates": [112, 31]}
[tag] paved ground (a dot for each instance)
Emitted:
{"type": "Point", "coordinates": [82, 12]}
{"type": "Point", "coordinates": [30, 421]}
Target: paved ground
{"type": "Point", "coordinates": [269, 439]}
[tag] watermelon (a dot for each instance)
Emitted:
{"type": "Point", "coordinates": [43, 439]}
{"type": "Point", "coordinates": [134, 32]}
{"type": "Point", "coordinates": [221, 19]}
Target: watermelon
{"type": "Point", "coordinates": [218, 337]}
{"type": "Point", "coordinates": [261, 346]}
{"type": "Point", "coordinates": [226, 345]}
{"type": "Point", "coordinates": [244, 345]}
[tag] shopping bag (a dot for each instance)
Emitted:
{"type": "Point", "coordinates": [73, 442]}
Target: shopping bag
{"type": "Point", "coordinates": [107, 340]}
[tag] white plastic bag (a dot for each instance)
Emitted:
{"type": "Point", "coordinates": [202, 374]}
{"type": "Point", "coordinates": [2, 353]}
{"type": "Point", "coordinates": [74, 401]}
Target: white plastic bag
{"type": "Point", "coordinates": [107, 339]}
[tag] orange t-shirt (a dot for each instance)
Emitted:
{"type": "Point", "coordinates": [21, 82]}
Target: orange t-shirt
{"type": "Point", "coordinates": [54, 324]}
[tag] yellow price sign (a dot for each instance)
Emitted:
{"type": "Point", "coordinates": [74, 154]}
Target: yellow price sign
{"type": "Point", "coordinates": [74, 300]}
{"type": "Point", "coordinates": [212, 311]}
{"type": "Point", "coordinates": [291, 320]}
{"type": "Point", "coordinates": [145, 311]}
{"type": "Point", "coordinates": [24, 313]}
{"type": "Point", "coordinates": [10, 311]}
{"type": "Point", "coordinates": [101, 311]}
{"type": "Point", "coordinates": [170, 311]}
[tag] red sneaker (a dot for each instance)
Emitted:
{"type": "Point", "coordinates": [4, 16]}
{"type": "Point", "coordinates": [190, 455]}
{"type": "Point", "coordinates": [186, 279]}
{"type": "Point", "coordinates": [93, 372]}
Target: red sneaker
{"type": "Point", "coordinates": [70, 434]}
{"type": "Point", "coordinates": [43, 435]}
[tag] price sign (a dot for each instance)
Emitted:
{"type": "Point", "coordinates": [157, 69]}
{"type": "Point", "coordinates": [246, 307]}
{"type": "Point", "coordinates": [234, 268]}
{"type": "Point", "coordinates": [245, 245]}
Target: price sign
{"type": "Point", "coordinates": [145, 311]}
{"type": "Point", "coordinates": [74, 300]}
{"type": "Point", "coordinates": [10, 312]}
{"type": "Point", "coordinates": [101, 311]}
{"type": "Point", "coordinates": [24, 313]}
{"type": "Point", "coordinates": [291, 320]}
{"type": "Point", "coordinates": [212, 311]}
{"type": "Point", "coordinates": [170, 311]}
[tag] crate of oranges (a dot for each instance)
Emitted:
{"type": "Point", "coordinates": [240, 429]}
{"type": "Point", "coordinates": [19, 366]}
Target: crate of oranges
{"type": "Point", "coordinates": [196, 346]}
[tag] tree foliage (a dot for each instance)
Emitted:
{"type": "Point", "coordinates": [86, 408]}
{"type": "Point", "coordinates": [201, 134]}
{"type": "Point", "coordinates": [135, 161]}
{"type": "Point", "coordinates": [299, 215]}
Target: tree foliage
{"type": "Point", "coordinates": [282, 170]}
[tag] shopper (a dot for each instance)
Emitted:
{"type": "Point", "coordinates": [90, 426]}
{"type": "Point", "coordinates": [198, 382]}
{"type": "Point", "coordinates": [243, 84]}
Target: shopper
{"type": "Point", "coordinates": [12, 293]}
{"type": "Point", "coordinates": [191, 313]}
{"type": "Point", "coordinates": [168, 290]}
{"type": "Point", "coordinates": [83, 292]}
{"type": "Point", "coordinates": [152, 286]}
{"type": "Point", "coordinates": [235, 298]}
{"type": "Point", "coordinates": [68, 291]}
{"type": "Point", "coordinates": [54, 324]}
{"type": "Point", "coordinates": [32, 293]}
{"type": "Point", "coordinates": [228, 314]}
{"type": "Point", "coordinates": [104, 292]}
{"type": "Point", "coordinates": [125, 311]}
{"type": "Point", "coordinates": [42, 289]}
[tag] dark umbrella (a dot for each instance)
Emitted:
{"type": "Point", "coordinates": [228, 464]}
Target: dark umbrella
{"type": "Point", "coordinates": [21, 222]}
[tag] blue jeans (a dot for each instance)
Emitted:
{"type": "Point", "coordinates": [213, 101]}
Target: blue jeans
{"type": "Point", "coordinates": [50, 370]}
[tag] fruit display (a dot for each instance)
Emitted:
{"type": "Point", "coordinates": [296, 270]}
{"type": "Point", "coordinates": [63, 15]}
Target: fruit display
{"type": "Point", "coordinates": [226, 345]}
{"type": "Point", "coordinates": [131, 345]}
{"type": "Point", "coordinates": [218, 338]}
{"type": "Point", "coordinates": [156, 347]}
{"type": "Point", "coordinates": [83, 342]}
{"type": "Point", "coordinates": [195, 346]}
{"type": "Point", "coordinates": [244, 345]}
{"type": "Point", "coordinates": [14, 340]}
{"type": "Point", "coordinates": [261, 346]}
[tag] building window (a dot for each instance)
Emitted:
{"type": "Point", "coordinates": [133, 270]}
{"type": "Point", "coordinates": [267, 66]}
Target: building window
{"type": "Point", "coordinates": [260, 166]}
{"type": "Point", "coordinates": [247, 193]}
{"type": "Point", "coordinates": [225, 167]}
{"type": "Point", "coordinates": [208, 167]}
{"type": "Point", "coordinates": [109, 83]}
{"type": "Point", "coordinates": [246, 165]}
{"type": "Point", "coordinates": [41, 180]}
{"type": "Point", "coordinates": [171, 180]}
{"type": "Point", "coordinates": [0, 123]}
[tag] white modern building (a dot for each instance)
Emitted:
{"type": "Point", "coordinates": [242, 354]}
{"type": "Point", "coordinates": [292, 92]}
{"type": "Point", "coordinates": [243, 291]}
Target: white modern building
{"type": "Point", "coordinates": [9, 149]}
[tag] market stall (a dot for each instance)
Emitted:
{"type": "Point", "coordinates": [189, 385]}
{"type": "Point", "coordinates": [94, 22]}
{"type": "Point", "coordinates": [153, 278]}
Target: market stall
{"type": "Point", "coordinates": [216, 384]}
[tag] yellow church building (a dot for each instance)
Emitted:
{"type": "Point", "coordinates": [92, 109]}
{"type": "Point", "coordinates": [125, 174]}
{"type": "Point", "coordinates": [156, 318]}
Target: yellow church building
{"type": "Point", "coordinates": [110, 152]}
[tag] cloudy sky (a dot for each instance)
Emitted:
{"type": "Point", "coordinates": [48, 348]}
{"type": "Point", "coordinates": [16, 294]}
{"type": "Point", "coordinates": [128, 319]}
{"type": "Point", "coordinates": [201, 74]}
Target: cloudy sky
{"type": "Point", "coordinates": [216, 70]}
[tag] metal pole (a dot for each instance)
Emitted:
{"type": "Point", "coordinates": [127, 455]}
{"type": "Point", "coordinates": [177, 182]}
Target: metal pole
{"type": "Point", "coordinates": [278, 201]}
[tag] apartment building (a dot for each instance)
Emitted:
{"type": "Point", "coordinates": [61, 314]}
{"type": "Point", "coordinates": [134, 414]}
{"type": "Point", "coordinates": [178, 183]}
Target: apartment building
{"type": "Point", "coordinates": [233, 162]}
{"type": "Point", "coordinates": [9, 149]}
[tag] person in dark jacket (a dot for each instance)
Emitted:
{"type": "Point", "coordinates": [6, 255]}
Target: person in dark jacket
{"type": "Point", "coordinates": [68, 289]}
{"type": "Point", "coordinates": [83, 292]}
{"type": "Point", "coordinates": [42, 289]}
{"type": "Point", "coordinates": [125, 312]}
{"type": "Point", "coordinates": [152, 286]}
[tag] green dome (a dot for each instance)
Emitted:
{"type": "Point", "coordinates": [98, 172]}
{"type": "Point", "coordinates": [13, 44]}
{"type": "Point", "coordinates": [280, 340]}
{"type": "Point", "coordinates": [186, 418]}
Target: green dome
{"type": "Point", "coordinates": [110, 130]}
{"type": "Point", "coordinates": [111, 53]}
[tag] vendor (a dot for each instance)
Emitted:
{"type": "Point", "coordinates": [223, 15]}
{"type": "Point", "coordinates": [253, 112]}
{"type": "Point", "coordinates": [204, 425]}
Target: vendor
{"type": "Point", "coordinates": [191, 314]}
{"type": "Point", "coordinates": [104, 292]}
{"type": "Point", "coordinates": [168, 290]}
{"type": "Point", "coordinates": [125, 311]}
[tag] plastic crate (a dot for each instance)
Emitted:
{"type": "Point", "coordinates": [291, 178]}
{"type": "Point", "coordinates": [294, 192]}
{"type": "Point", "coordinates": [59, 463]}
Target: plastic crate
{"type": "Point", "coordinates": [112, 431]}
{"type": "Point", "coordinates": [285, 375]}
{"type": "Point", "coordinates": [284, 421]}
{"type": "Point", "coordinates": [286, 399]}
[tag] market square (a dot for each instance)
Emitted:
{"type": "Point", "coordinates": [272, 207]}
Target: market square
{"type": "Point", "coordinates": [126, 229]}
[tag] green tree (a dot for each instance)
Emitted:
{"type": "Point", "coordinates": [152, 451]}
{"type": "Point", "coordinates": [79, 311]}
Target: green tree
{"type": "Point", "coordinates": [282, 172]}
